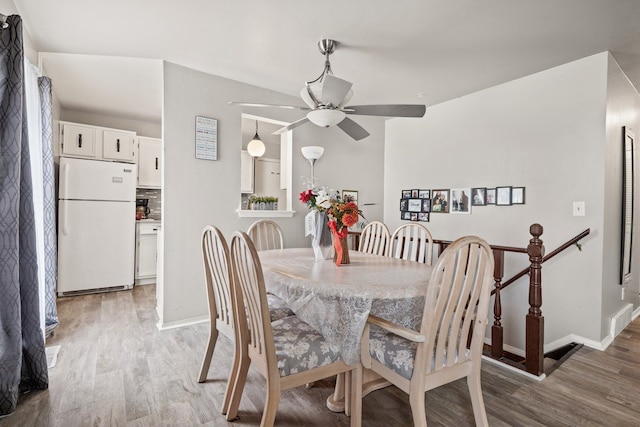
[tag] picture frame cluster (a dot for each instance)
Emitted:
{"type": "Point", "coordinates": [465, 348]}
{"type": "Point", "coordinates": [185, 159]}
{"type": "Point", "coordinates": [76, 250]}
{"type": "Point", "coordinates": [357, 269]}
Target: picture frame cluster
{"type": "Point", "coordinates": [418, 205]}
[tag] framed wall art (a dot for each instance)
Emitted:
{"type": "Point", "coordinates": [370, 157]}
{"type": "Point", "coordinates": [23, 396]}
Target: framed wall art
{"type": "Point", "coordinates": [423, 216]}
{"type": "Point", "coordinates": [406, 194]}
{"type": "Point", "coordinates": [440, 201]}
{"type": "Point", "coordinates": [478, 196]}
{"type": "Point", "coordinates": [424, 194]}
{"type": "Point", "coordinates": [350, 196]}
{"type": "Point", "coordinates": [491, 196]}
{"type": "Point", "coordinates": [517, 196]}
{"type": "Point", "coordinates": [460, 201]}
{"type": "Point", "coordinates": [404, 205]}
{"type": "Point", "coordinates": [414, 205]}
{"type": "Point", "coordinates": [503, 196]}
{"type": "Point", "coordinates": [627, 205]}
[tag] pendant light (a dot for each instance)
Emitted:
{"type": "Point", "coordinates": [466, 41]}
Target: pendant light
{"type": "Point", "coordinates": [256, 147]}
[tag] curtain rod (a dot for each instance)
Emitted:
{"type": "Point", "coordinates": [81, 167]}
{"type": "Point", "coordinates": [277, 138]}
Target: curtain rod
{"type": "Point", "coordinates": [3, 21]}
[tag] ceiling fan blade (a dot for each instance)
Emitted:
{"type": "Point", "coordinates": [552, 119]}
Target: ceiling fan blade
{"type": "Point", "coordinates": [334, 89]}
{"type": "Point", "coordinates": [251, 104]}
{"type": "Point", "coordinates": [291, 126]}
{"type": "Point", "coordinates": [353, 129]}
{"type": "Point", "coordinates": [391, 110]}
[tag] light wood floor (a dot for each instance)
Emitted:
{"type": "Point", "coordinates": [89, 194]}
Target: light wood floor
{"type": "Point", "coordinates": [116, 369]}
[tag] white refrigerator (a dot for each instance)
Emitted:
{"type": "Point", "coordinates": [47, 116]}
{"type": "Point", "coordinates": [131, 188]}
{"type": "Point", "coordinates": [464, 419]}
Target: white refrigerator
{"type": "Point", "coordinates": [96, 225]}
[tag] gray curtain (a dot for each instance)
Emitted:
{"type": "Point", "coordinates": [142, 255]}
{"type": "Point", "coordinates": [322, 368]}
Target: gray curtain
{"type": "Point", "coordinates": [23, 362]}
{"type": "Point", "coordinates": [50, 249]}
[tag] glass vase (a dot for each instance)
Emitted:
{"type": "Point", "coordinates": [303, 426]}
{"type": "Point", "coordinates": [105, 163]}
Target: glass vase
{"type": "Point", "coordinates": [321, 243]}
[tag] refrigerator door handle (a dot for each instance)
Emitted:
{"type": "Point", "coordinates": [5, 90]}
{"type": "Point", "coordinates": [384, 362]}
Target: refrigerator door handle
{"type": "Point", "coordinates": [65, 179]}
{"type": "Point", "coordinates": [65, 223]}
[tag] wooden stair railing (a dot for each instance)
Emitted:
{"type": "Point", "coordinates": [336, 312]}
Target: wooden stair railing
{"type": "Point", "coordinates": [533, 361]}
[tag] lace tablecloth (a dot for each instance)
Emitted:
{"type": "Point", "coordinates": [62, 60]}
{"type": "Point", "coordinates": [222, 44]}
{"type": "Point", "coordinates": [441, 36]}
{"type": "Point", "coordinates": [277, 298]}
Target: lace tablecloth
{"type": "Point", "coordinates": [337, 300]}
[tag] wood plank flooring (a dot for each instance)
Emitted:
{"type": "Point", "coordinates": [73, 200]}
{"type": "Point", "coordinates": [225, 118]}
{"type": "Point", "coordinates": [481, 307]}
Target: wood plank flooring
{"type": "Point", "coordinates": [116, 369]}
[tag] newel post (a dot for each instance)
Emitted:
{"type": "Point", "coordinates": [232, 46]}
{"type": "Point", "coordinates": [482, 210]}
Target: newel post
{"type": "Point", "coordinates": [535, 321]}
{"type": "Point", "coordinates": [497, 344]}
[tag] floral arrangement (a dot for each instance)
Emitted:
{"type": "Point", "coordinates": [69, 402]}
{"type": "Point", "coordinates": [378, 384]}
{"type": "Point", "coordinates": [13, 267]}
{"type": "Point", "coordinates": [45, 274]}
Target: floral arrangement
{"type": "Point", "coordinates": [319, 199]}
{"type": "Point", "coordinates": [341, 214]}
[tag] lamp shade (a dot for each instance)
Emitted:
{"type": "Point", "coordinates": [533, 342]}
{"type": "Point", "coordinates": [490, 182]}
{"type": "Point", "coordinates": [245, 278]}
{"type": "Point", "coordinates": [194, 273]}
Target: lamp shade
{"type": "Point", "coordinates": [256, 147]}
{"type": "Point", "coordinates": [312, 152]}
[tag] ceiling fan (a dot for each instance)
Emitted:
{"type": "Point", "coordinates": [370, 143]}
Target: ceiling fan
{"type": "Point", "coordinates": [327, 97]}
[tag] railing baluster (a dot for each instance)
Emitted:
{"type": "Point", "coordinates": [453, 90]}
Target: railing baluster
{"type": "Point", "coordinates": [534, 363]}
{"type": "Point", "coordinates": [496, 329]}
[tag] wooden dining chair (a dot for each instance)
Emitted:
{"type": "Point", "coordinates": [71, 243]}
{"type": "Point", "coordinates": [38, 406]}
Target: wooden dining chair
{"type": "Point", "coordinates": [288, 352]}
{"type": "Point", "coordinates": [217, 271]}
{"type": "Point", "coordinates": [456, 307]}
{"type": "Point", "coordinates": [412, 242]}
{"type": "Point", "coordinates": [266, 235]}
{"type": "Point", "coordinates": [375, 238]}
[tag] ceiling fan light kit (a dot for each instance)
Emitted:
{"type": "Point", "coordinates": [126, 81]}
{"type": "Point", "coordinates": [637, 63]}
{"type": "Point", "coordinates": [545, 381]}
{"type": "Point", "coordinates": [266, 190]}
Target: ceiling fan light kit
{"type": "Point", "coordinates": [327, 96]}
{"type": "Point", "coordinates": [326, 118]}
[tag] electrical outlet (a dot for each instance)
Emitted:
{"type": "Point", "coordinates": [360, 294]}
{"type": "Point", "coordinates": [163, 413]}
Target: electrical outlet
{"type": "Point", "coordinates": [578, 209]}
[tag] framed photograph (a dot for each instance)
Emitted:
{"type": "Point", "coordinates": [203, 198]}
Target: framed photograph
{"type": "Point", "coordinates": [424, 194]}
{"type": "Point", "coordinates": [460, 201]}
{"type": "Point", "coordinates": [404, 205]}
{"type": "Point", "coordinates": [426, 205]}
{"type": "Point", "coordinates": [415, 194]}
{"type": "Point", "coordinates": [415, 205]}
{"type": "Point", "coordinates": [517, 196]}
{"type": "Point", "coordinates": [491, 196]}
{"type": "Point", "coordinates": [503, 196]}
{"type": "Point", "coordinates": [406, 194]}
{"type": "Point", "coordinates": [414, 216]}
{"type": "Point", "coordinates": [423, 216]}
{"type": "Point", "coordinates": [406, 216]}
{"type": "Point", "coordinates": [350, 196]}
{"type": "Point", "coordinates": [479, 196]}
{"type": "Point", "coordinates": [440, 201]}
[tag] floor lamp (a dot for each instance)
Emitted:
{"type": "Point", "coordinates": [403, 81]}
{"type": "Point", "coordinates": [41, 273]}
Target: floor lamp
{"type": "Point", "coordinates": [312, 153]}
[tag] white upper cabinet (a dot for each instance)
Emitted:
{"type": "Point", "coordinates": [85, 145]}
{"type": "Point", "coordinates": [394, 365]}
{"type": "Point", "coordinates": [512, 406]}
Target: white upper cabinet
{"type": "Point", "coordinates": [118, 145]}
{"type": "Point", "coordinates": [100, 143]}
{"type": "Point", "coordinates": [149, 162]}
{"type": "Point", "coordinates": [78, 140]}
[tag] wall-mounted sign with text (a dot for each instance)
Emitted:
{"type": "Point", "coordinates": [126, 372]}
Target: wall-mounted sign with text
{"type": "Point", "coordinates": [206, 138]}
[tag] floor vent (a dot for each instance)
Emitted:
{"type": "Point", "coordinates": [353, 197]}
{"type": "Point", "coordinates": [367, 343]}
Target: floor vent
{"type": "Point", "coordinates": [621, 320]}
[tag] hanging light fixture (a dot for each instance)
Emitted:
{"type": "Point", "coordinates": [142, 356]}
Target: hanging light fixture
{"type": "Point", "coordinates": [256, 147]}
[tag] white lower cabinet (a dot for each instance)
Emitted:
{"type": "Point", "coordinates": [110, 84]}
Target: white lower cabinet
{"type": "Point", "coordinates": [146, 252]}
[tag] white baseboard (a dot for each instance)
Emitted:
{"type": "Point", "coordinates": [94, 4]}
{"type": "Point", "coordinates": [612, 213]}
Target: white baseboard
{"type": "Point", "coordinates": [181, 323]}
{"type": "Point", "coordinates": [568, 339]}
{"type": "Point", "coordinates": [513, 369]}
{"type": "Point", "coordinates": [636, 313]}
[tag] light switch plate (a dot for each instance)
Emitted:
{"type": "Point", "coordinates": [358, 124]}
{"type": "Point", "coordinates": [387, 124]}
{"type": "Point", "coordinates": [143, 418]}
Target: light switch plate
{"type": "Point", "coordinates": [578, 209]}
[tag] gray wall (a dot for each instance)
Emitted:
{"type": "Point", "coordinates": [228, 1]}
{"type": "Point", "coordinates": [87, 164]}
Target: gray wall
{"type": "Point", "coordinates": [622, 109]}
{"type": "Point", "coordinates": [199, 192]}
{"type": "Point", "coordinates": [545, 132]}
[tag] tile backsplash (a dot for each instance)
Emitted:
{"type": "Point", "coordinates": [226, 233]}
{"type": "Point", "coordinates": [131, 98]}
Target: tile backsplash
{"type": "Point", "coordinates": [155, 200]}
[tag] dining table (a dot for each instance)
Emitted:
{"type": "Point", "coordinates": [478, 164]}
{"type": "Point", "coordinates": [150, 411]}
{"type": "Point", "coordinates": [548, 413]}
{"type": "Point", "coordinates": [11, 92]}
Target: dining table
{"type": "Point", "coordinates": [336, 300]}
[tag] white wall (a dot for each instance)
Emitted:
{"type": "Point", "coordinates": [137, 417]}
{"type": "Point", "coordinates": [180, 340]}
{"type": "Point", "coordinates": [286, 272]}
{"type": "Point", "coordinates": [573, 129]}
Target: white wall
{"type": "Point", "coordinates": [545, 132]}
{"type": "Point", "coordinates": [199, 192]}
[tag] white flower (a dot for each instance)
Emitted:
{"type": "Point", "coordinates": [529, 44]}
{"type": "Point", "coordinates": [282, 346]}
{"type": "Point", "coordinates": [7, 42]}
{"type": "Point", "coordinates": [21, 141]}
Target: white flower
{"type": "Point", "coordinates": [323, 201]}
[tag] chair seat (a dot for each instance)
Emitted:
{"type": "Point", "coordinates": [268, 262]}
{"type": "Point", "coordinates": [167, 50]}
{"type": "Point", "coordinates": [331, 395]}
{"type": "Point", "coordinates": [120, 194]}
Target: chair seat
{"type": "Point", "coordinates": [278, 308]}
{"type": "Point", "coordinates": [395, 352]}
{"type": "Point", "coordinates": [299, 347]}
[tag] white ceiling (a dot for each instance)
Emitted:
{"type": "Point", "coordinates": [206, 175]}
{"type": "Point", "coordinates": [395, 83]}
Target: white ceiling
{"type": "Point", "coordinates": [103, 55]}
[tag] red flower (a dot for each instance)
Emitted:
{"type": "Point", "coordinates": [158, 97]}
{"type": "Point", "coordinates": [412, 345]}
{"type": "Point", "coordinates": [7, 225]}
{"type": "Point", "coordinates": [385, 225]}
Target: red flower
{"type": "Point", "coordinates": [305, 196]}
